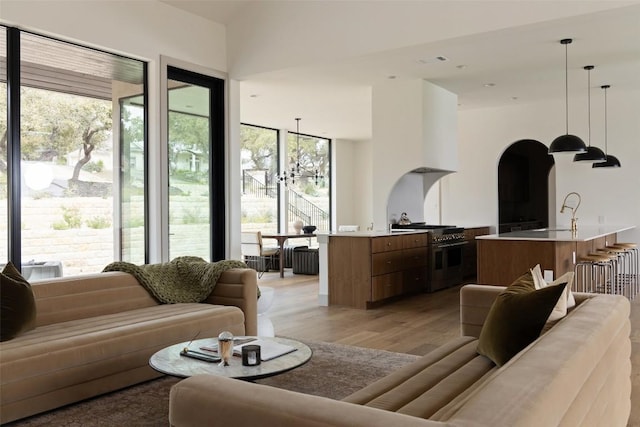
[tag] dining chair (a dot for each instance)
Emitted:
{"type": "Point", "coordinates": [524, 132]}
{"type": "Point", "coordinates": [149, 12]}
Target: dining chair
{"type": "Point", "coordinates": [254, 252]}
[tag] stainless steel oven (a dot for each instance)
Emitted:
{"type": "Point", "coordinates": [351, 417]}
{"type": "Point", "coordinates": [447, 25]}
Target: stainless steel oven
{"type": "Point", "coordinates": [446, 246]}
{"type": "Point", "coordinates": [445, 260]}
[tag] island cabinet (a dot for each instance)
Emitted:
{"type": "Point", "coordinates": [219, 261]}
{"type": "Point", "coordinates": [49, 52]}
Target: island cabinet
{"type": "Point", "coordinates": [365, 271]}
{"type": "Point", "coordinates": [504, 257]}
{"type": "Point", "coordinates": [470, 251]}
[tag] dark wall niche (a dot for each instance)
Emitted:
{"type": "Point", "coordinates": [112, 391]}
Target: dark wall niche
{"type": "Point", "coordinates": [523, 186]}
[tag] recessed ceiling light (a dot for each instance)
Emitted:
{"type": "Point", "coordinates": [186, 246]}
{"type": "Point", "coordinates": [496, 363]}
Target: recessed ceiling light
{"type": "Point", "coordinates": [461, 66]}
{"type": "Point", "coordinates": [432, 60]}
{"type": "Point", "coordinates": [391, 77]}
{"type": "Point", "coordinates": [489, 84]}
{"type": "Point", "coordinates": [515, 98]}
{"type": "Point", "coordinates": [253, 95]}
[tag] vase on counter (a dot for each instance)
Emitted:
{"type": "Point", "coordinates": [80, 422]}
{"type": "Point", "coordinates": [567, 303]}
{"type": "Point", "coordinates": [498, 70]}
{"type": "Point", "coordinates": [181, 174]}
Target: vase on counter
{"type": "Point", "coordinates": [298, 226]}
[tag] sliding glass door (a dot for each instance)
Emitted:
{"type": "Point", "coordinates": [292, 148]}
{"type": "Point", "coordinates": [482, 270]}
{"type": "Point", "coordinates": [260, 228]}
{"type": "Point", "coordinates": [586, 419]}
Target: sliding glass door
{"type": "Point", "coordinates": [196, 165]}
{"type": "Point", "coordinates": [66, 173]}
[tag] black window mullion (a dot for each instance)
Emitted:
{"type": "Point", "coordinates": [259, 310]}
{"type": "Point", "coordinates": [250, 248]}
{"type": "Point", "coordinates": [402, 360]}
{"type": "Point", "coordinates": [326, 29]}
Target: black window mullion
{"type": "Point", "coordinates": [217, 173]}
{"type": "Point", "coordinates": [13, 147]}
{"type": "Point", "coordinates": [145, 149]}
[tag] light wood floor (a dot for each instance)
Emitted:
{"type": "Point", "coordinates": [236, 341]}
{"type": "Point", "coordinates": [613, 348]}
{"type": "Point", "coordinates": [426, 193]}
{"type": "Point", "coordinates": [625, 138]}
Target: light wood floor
{"type": "Point", "coordinates": [413, 325]}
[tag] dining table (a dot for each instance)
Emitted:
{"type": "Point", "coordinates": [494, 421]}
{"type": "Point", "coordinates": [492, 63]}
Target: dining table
{"type": "Point", "coordinates": [283, 237]}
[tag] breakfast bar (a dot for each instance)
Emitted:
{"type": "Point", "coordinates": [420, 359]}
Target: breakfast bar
{"type": "Point", "coordinates": [504, 257]}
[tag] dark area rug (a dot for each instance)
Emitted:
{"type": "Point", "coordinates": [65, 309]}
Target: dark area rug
{"type": "Point", "coordinates": [334, 371]}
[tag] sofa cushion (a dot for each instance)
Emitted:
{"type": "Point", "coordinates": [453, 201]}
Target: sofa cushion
{"type": "Point", "coordinates": [17, 304]}
{"type": "Point", "coordinates": [51, 362]}
{"type": "Point", "coordinates": [516, 318]}
{"type": "Point", "coordinates": [429, 384]}
{"type": "Point", "coordinates": [566, 300]}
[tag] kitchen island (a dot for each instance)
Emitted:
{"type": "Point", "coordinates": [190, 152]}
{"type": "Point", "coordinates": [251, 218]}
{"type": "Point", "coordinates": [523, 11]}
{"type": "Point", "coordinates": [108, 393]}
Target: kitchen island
{"type": "Point", "coordinates": [360, 269]}
{"type": "Point", "coordinates": [504, 257]}
{"type": "Point", "coordinates": [366, 269]}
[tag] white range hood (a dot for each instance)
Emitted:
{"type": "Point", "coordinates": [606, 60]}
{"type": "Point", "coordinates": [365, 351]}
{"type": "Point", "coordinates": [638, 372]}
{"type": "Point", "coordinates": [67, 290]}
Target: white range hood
{"type": "Point", "coordinates": [414, 145]}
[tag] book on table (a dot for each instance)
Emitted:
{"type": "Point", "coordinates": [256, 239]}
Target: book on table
{"type": "Point", "coordinates": [268, 349]}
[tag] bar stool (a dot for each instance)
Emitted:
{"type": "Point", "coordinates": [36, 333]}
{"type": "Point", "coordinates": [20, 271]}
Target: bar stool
{"type": "Point", "coordinates": [622, 265]}
{"type": "Point", "coordinates": [632, 264]}
{"type": "Point", "coordinates": [595, 273]}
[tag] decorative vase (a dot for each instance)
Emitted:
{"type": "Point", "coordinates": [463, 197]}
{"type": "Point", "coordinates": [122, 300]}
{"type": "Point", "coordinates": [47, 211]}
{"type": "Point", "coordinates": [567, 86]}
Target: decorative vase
{"type": "Point", "coordinates": [298, 226]}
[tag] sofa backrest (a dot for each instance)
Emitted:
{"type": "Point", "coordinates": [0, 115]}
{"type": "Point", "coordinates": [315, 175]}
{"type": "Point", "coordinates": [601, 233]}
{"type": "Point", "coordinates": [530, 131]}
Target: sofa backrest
{"type": "Point", "coordinates": [578, 373]}
{"type": "Point", "coordinates": [79, 297]}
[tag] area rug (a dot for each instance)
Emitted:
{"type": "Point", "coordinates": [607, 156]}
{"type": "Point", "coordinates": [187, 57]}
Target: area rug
{"type": "Point", "coordinates": [334, 371]}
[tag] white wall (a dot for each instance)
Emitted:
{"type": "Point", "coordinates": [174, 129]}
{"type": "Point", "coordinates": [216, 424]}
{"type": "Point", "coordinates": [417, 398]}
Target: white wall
{"type": "Point", "coordinates": [471, 195]}
{"type": "Point", "coordinates": [343, 172]}
{"type": "Point", "coordinates": [407, 196]}
{"type": "Point", "coordinates": [143, 29]}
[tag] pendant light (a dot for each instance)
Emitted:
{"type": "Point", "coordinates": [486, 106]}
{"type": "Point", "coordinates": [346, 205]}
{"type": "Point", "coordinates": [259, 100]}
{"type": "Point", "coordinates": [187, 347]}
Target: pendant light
{"type": "Point", "coordinates": [612, 161]}
{"type": "Point", "coordinates": [593, 154]}
{"type": "Point", "coordinates": [567, 143]}
{"type": "Point", "coordinates": [294, 171]}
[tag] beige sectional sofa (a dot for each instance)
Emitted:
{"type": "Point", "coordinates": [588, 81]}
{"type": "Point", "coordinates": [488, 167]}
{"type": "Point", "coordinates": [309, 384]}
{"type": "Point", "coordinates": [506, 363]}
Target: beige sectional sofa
{"type": "Point", "coordinates": [95, 333]}
{"type": "Point", "coordinates": [575, 374]}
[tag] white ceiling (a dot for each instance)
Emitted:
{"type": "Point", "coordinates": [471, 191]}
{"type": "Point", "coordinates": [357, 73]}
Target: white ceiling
{"type": "Point", "coordinates": [524, 63]}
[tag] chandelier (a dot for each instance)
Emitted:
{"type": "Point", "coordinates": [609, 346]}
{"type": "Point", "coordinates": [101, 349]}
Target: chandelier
{"type": "Point", "coordinates": [294, 171]}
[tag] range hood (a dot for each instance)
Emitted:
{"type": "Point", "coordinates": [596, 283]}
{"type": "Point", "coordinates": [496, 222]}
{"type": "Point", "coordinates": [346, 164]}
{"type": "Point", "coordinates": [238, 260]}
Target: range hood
{"type": "Point", "coordinates": [414, 145]}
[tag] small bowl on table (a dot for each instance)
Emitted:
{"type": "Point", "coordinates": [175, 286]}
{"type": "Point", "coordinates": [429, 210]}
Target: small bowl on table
{"type": "Point", "coordinates": [309, 229]}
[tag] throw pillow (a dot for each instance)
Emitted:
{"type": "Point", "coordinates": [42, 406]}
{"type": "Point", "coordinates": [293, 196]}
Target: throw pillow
{"type": "Point", "coordinates": [566, 300]}
{"type": "Point", "coordinates": [516, 318]}
{"type": "Point", "coordinates": [17, 304]}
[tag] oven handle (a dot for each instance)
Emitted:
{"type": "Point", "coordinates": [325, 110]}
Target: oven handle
{"type": "Point", "coordinates": [450, 245]}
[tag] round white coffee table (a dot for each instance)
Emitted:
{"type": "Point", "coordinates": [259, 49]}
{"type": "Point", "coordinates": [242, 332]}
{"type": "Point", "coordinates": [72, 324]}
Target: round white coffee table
{"type": "Point", "coordinates": [170, 362]}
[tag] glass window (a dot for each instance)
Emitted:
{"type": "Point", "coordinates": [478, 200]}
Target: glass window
{"type": "Point", "coordinates": [259, 156]}
{"type": "Point", "coordinates": [132, 180]}
{"type": "Point", "coordinates": [196, 165]}
{"type": "Point", "coordinates": [308, 192]}
{"type": "Point", "coordinates": [79, 109]}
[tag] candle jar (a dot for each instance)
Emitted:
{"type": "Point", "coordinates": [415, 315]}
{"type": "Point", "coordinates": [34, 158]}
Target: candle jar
{"type": "Point", "coordinates": [251, 355]}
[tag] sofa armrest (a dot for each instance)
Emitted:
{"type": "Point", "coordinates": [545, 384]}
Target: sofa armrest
{"type": "Point", "coordinates": [475, 303]}
{"type": "Point", "coordinates": [239, 287]}
{"type": "Point", "coordinates": [205, 400]}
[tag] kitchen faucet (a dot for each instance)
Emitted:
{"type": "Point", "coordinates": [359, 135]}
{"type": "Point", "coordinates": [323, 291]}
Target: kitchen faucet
{"type": "Point", "coordinates": [574, 225]}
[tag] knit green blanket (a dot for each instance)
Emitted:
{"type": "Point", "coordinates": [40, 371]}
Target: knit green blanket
{"type": "Point", "coordinates": [184, 279]}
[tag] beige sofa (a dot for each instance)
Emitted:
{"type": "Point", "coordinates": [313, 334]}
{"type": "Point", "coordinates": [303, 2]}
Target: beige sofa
{"type": "Point", "coordinates": [576, 374]}
{"type": "Point", "coordinates": [95, 334]}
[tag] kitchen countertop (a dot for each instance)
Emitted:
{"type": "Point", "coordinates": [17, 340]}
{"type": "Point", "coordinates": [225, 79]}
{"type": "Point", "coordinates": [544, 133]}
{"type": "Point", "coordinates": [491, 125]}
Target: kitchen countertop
{"type": "Point", "coordinates": [373, 233]}
{"type": "Point", "coordinates": [583, 234]}
{"type": "Point", "coordinates": [322, 235]}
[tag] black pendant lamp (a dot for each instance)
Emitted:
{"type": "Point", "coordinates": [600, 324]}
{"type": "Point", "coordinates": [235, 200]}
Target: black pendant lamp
{"type": "Point", "coordinates": [567, 143]}
{"type": "Point", "coordinates": [593, 154]}
{"type": "Point", "coordinates": [611, 161]}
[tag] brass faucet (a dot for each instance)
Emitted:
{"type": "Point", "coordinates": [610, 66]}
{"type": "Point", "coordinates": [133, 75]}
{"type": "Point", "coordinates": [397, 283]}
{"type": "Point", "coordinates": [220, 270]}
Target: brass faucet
{"type": "Point", "coordinates": [574, 220]}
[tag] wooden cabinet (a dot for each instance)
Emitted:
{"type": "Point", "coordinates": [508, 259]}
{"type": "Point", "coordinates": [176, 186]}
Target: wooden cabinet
{"type": "Point", "coordinates": [470, 251]}
{"type": "Point", "coordinates": [502, 260]}
{"type": "Point", "coordinates": [368, 270]}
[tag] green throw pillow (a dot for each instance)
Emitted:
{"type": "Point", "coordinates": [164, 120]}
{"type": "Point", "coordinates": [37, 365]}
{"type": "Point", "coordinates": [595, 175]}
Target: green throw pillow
{"type": "Point", "coordinates": [516, 318]}
{"type": "Point", "coordinates": [17, 304]}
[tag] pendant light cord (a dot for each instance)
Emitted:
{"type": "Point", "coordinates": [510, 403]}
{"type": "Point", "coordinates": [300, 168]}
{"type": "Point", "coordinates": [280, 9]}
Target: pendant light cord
{"type": "Point", "coordinates": [566, 85]}
{"type": "Point", "coordinates": [589, 106]}
{"type": "Point", "coordinates": [606, 150]}
{"type": "Point", "coordinates": [589, 68]}
{"type": "Point", "coordinates": [298, 145]}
